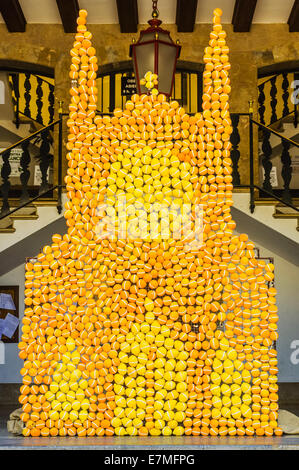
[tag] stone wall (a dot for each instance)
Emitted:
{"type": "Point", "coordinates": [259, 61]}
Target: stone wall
{"type": "Point", "coordinates": [266, 44]}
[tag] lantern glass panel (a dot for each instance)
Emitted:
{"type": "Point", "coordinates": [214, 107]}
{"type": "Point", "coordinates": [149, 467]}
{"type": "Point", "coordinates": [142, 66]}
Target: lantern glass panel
{"type": "Point", "coordinates": [147, 37]}
{"type": "Point", "coordinates": [166, 65]}
{"type": "Point", "coordinates": [164, 37]}
{"type": "Point", "coordinates": [145, 56]}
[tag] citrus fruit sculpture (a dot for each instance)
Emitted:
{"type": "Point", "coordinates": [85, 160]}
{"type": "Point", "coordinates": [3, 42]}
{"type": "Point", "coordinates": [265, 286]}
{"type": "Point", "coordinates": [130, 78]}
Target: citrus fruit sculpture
{"type": "Point", "coordinates": [139, 333]}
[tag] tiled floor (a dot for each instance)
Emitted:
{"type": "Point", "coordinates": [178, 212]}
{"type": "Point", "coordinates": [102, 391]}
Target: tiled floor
{"type": "Point", "coordinates": [10, 442]}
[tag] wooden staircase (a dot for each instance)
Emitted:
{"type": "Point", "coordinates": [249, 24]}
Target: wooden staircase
{"type": "Point", "coordinates": [29, 212]}
{"type": "Point", "coordinates": [281, 211]}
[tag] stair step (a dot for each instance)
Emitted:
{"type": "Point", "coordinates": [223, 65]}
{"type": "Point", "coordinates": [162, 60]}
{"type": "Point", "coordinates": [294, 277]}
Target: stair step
{"type": "Point", "coordinates": [24, 216]}
{"type": "Point", "coordinates": [25, 213]}
{"type": "Point", "coordinates": [266, 202]}
{"type": "Point", "coordinates": [45, 202]}
{"type": "Point", "coordinates": [287, 216]}
{"type": "Point", "coordinates": [286, 210]}
{"type": "Point", "coordinates": [288, 119]}
{"type": "Point", "coordinates": [281, 215]}
{"type": "Point", "coordinates": [39, 202]}
{"type": "Point", "coordinates": [27, 120]}
{"type": "Point", "coordinates": [6, 223]}
{"type": "Point", "coordinates": [240, 190]}
{"type": "Point", "coordinates": [7, 230]}
{"type": "Point", "coordinates": [27, 210]}
{"type": "Point", "coordinates": [273, 202]}
{"type": "Point", "coordinates": [277, 126]}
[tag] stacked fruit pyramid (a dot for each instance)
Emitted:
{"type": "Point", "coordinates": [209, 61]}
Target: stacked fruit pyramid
{"type": "Point", "coordinates": [144, 334]}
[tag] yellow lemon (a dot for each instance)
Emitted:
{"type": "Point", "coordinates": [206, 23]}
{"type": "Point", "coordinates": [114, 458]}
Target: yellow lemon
{"type": "Point", "coordinates": [236, 400]}
{"type": "Point", "coordinates": [225, 389]}
{"type": "Point", "coordinates": [246, 375]}
{"type": "Point", "coordinates": [238, 365]}
{"type": "Point", "coordinates": [217, 402]}
{"type": "Point", "coordinates": [246, 399]}
{"type": "Point", "coordinates": [217, 365]}
{"type": "Point", "coordinates": [167, 431]}
{"type": "Point", "coordinates": [228, 366]}
{"type": "Point", "coordinates": [119, 412]}
{"type": "Point", "coordinates": [224, 344]}
{"type": "Point", "coordinates": [226, 378]}
{"type": "Point", "coordinates": [54, 387]}
{"type": "Point", "coordinates": [215, 378]}
{"type": "Point", "coordinates": [236, 389]}
{"type": "Point", "coordinates": [73, 415]}
{"type": "Point", "coordinates": [70, 344]}
{"type": "Point", "coordinates": [225, 412]}
{"type": "Point", "coordinates": [57, 377]}
{"type": "Point", "coordinates": [220, 354]}
{"type": "Point", "coordinates": [237, 378]}
{"type": "Point", "coordinates": [215, 389]}
{"type": "Point", "coordinates": [76, 405]}
{"type": "Point", "coordinates": [178, 431]}
{"type": "Point", "coordinates": [246, 411]}
{"type": "Point", "coordinates": [245, 387]}
{"type": "Point", "coordinates": [181, 387]}
{"type": "Point", "coordinates": [54, 415]}
{"type": "Point", "coordinates": [66, 405]}
{"type": "Point", "coordinates": [216, 413]}
{"type": "Point", "coordinates": [66, 357]}
{"type": "Point", "coordinates": [232, 354]}
{"type": "Point", "coordinates": [83, 415]}
{"type": "Point", "coordinates": [235, 412]}
{"type": "Point", "coordinates": [226, 401]}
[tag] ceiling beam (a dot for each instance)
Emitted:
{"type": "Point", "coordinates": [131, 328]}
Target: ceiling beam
{"type": "Point", "coordinates": [185, 15]}
{"type": "Point", "coordinates": [243, 14]}
{"type": "Point", "coordinates": [293, 20]}
{"type": "Point", "coordinates": [13, 16]}
{"type": "Point", "coordinates": [127, 15]}
{"type": "Point", "coordinates": [69, 12]}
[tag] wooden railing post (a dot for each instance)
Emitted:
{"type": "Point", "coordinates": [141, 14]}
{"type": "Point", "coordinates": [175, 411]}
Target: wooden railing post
{"type": "Point", "coordinates": [25, 175]}
{"type": "Point", "coordinates": [251, 158]}
{"type": "Point", "coordinates": [286, 171]}
{"type": "Point", "coordinates": [235, 152]}
{"type": "Point", "coordinates": [285, 94]}
{"type": "Point", "coordinates": [5, 187]}
{"type": "Point", "coordinates": [59, 199]}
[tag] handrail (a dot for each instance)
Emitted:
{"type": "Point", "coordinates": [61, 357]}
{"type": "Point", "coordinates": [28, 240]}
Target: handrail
{"type": "Point", "coordinates": [41, 78]}
{"type": "Point", "coordinates": [282, 117]}
{"type": "Point", "coordinates": [98, 113]}
{"type": "Point", "coordinates": [34, 75]}
{"type": "Point", "coordinates": [271, 78]}
{"type": "Point", "coordinates": [59, 186]}
{"type": "Point", "coordinates": [30, 201]}
{"type": "Point", "coordinates": [29, 137]}
{"type": "Point", "coordinates": [33, 119]}
{"type": "Point", "coordinates": [292, 142]}
{"type": "Point", "coordinates": [252, 186]}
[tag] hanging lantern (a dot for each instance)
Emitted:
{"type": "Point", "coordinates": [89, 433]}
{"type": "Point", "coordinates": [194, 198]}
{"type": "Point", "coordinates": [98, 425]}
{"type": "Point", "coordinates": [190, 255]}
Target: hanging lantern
{"type": "Point", "coordinates": [155, 51]}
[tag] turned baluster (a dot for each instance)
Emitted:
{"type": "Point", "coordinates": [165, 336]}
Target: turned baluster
{"type": "Point", "coordinates": [5, 187]}
{"type": "Point", "coordinates": [25, 172]}
{"type": "Point", "coordinates": [266, 159]}
{"type": "Point", "coordinates": [286, 171]}
{"type": "Point", "coordinates": [235, 153]}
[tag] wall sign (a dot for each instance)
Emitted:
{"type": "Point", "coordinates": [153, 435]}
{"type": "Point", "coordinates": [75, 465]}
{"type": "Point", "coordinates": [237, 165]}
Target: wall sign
{"type": "Point", "coordinates": [128, 85]}
{"type": "Point", "coordinates": [9, 316]}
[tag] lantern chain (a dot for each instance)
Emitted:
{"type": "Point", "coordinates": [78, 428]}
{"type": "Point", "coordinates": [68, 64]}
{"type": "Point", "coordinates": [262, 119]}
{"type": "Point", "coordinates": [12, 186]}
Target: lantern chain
{"type": "Point", "coordinates": [155, 12]}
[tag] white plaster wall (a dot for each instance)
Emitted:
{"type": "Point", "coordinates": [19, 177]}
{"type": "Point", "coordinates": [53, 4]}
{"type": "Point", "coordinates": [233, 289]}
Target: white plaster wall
{"type": "Point", "coordinates": [9, 371]}
{"type": "Point", "coordinates": [264, 215]}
